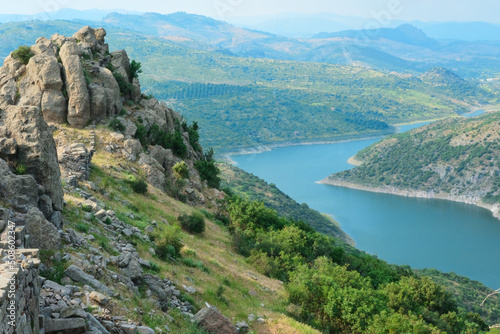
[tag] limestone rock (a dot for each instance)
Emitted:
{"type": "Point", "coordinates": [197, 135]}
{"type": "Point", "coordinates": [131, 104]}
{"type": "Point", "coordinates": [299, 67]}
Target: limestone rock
{"type": "Point", "coordinates": [121, 62]}
{"type": "Point", "coordinates": [17, 190]}
{"type": "Point", "coordinates": [45, 71]}
{"type": "Point", "coordinates": [54, 106]}
{"type": "Point", "coordinates": [8, 146]}
{"type": "Point", "coordinates": [99, 298]}
{"type": "Point", "coordinates": [76, 86]}
{"type": "Point", "coordinates": [78, 275]}
{"type": "Point", "coordinates": [69, 326]}
{"type": "Point", "coordinates": [74, 311]}
{"type": "Point", "coordinates": [133, 270]}
{"type": "Point", "coordinates": [214, 322]}
{"type": "Point", "coordinates": [132, 148]}
{"type": "Point", "coordinates": [104, 95]}
{"type": "Point", "coordinates": [36, 148]}
{"type": "Point", "coordinates": [43, 234]}
{"type": "Point", "coordinates": [165, 157]}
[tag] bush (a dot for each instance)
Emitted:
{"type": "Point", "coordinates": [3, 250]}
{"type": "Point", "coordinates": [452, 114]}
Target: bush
{"type": "Point", "coordinates": [139, 186]}
{"type": "Point", "coordinates": [125, 86]}
{"type": "Point", "coordinates": [116, 125]}
{"type": "Point", "coordinates": [20, 169]}
{"type": "Point", "coordinates": [23, 54]}
{"type": "Point", "coordinates": [194, 223]}
{"type": "Point", "coordinates": [141, 134]}
{"type": "Point", "coordinates": [135, 69]}
{"type": "Point", "coordinates": [208, 170]}
{"type": "Point", "coordinates": [168, 242]}
{"type": "Point", "coordinates": [82, 227]}
{"type": "Point", "coordinates": [181, 170]}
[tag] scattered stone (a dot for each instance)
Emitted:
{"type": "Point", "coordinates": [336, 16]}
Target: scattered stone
{"type": "Point", "coordinates": [73, 312]}
{"type": "Point", "coordinates": [99, 298]}
{"type": "Point", "coordinates": [214, 322]}
{"type": "Point", "coordinates": [190, 290]}
{"type": "Point", "coordinates": [66, 326]}
{"type": "Point", "coordinates": [243, 326]}
{"type": "Point", "coordinates": [78, 275]}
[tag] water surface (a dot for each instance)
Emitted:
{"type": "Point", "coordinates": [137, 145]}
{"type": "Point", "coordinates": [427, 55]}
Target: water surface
{"type": "Point", "coordinates": [422, 233]}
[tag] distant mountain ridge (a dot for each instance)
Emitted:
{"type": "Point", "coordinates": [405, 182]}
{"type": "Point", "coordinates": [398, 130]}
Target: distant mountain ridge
{"type": "Point", "coordinates": [406, 33]}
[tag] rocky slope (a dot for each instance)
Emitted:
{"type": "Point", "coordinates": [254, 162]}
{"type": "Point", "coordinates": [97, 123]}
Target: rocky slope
{"type": "Point", "coordinates": [57, 98]}
{"type": "Point", "coordinates": [454, 159]}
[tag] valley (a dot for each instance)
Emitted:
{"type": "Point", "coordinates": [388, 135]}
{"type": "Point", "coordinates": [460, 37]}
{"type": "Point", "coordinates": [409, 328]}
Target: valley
{"type": "Point", "coordinates": [127, 222]}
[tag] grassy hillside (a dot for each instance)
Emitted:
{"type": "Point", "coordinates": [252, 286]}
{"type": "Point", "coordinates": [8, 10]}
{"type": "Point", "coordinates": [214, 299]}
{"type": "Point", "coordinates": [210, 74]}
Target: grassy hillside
{"type": "Point", "coordinates": [458, 157]}
{"type": "Point", "coordinates": [252, 187]}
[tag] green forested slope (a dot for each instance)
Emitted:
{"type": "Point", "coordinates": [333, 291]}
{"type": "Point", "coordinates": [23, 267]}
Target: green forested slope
{"type": "Point", "coordinates": [253, 188]}
{"type": "Point", "coordinates": [241, 102]}
{"type": "Point", "coordinates": [458, 157]}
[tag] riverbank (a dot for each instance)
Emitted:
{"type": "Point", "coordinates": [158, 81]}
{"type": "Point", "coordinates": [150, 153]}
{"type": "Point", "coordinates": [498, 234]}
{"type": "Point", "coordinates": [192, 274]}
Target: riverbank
{"type": "Point", "coordinates": [226, 155]}
{"type": "Point", "coordinates": [495, 209]}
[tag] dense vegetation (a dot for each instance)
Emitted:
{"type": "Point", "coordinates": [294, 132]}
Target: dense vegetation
{"type": "Point", "coordinates": [241, 102]}
{"type": "Point", "coordinates": [456, 157]}
{"type": "Point", "coordinates": [339, 289]}
{"type": "Point", "coordinates": [249, 186]}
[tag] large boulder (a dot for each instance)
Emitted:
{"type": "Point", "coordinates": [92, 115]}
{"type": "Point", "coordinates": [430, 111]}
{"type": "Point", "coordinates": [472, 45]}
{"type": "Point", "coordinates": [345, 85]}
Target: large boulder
{"type": "Point", "coordinates": [42, 234]}
{"type": "Point", "coordinates": [214, 322]}
{"type": "Point", "coordinates": [54, 106]}
{"type": "Point", "coordinates": [104, 95]}
{"type": "Point", "coordinates": [65, 326]}
{"type": "Point", "coordinates": [121, 63]}
{"type": "Point", "coordinates": [17, 190]}
{"type": "Point", "coordinates": [36, 148]}
{"type": "Point", "coordinates": [78, 275]}
{"type": "Point", "coordinates": [76, 86]}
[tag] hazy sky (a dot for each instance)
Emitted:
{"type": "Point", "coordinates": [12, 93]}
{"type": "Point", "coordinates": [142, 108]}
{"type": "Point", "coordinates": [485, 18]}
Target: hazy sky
{"type": "Point", "coordinates": [425, 10]}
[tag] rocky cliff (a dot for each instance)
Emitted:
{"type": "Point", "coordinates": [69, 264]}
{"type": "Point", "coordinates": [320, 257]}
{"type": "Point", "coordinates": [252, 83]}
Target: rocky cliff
{"type": "Point", "coordinates": [62, 101]}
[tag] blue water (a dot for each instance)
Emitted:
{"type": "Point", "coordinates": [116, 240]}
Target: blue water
{"type": "Point", "coordinates": [422, 233]}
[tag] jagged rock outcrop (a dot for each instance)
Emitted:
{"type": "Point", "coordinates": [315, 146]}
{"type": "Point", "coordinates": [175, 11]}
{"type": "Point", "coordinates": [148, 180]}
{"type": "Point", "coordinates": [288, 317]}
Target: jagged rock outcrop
{"type": "Point", "coordinates": [66, 78]}
{"type": "Point", "coordinates": [35, 150]}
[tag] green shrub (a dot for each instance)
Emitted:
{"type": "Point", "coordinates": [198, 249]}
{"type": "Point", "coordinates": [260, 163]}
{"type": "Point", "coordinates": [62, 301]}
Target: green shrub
{"type": "Point", "coordinates": [20, 169]}
{"type": "Point", "coordinates": [195, 264]}
{"type": "Point", "coordinates": [154, 267]}
{"type": "Point", "coordinates": [125, 86]}
{"type": "Point", "coordinates": [139, 186]}
{"type": "Point", "coordinates": [82, 227]}
{"type": "Point", "coordinates": [135, 69]}
{"type": "Point", "coordinates": [208, 170]}
{"type": "Point", "coordinates": [181, 170]}
{"type": "Point", "coordinates": [194, 223]}
{"type": "Point", "coordinates": [168, 242]}
{"type": "Point", "coordinates": [23, 54]}
{"type": "Point", "coordinates": [116, 125]}
{"type": "Point", "coordinates": [141, 134]}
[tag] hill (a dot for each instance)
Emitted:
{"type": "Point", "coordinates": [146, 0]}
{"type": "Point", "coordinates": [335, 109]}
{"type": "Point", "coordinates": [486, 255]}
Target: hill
{"type": "Point", "coordinates": [456, 159]}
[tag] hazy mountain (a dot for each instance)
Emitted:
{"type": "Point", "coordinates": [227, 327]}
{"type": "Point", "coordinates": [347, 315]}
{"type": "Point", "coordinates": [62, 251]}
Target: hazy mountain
{"type": "Point", "coordinates": [406, 34]}
{"type": "Point", "coordinates": [467, 31]}
{"type": "Point", "coordinates": [64, 14]}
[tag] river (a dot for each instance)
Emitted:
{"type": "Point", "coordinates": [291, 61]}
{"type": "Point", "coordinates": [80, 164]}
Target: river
{"type": "Point", "coordinates": [423, 233]}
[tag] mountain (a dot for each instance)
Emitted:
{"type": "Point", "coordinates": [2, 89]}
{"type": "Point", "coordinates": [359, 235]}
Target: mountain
{"type": "Point", "coordinates": [406, 34]}
{"type": "Point", "coordinates": [456, 159]}
{"type": "Point", "coordinates": [465, 31]}
{"type": "Point", "coordinates": [63, 14]}
{"type": "Point", "coordinates": [297, 100]}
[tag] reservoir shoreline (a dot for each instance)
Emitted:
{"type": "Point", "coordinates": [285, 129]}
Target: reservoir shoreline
{"type": "Point", "coordinates": [494, 208]}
